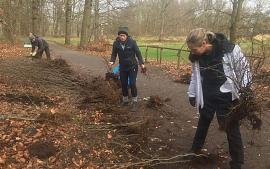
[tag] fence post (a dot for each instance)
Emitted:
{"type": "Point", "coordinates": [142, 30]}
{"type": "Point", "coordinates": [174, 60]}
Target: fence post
{"type": "Point", "coordinates": [146, 55]}
{"type": "Point", "coordinates": [178, 59]}
{"type": "Point", "coordinates": [160, 55]}
{"type": "Point", "coordinates": [157, 55]}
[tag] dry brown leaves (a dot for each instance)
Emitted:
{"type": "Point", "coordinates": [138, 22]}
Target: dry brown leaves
{"type": "Point", "coordinates": [40, 122]}
{"type": "Point", "coordinates": [181, 74]}
{"type": "Point", "coordinates": [100, 48]}
{"type": "Point", "coordinates": [10, 50]}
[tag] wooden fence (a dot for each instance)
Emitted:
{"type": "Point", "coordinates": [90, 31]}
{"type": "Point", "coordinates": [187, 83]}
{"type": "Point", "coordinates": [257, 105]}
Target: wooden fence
{"type": "Point", "coordinates": [159, 56]}
{"type": "Point", "coordinates": [160, 52]}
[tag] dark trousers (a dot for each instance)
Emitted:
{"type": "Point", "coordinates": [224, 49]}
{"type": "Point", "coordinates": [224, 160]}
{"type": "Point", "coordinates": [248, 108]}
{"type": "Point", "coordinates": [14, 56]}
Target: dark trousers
{"type": "Point", "coordinates": [219, 103]}
{"type": "Point", "coordinates": [131, 76]}
{"type": "Point", "coordinates": [47, 51]}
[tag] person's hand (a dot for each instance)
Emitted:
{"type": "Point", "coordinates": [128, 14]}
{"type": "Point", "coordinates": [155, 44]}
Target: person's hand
{"type": "Point", "coordinates": [192, 101]}
{"type": "Point", "coordinates": [110, 65]}
{"type": "Point", "coordinates": [143, 69]}
{"type": "Point", "coordinates": [34, 53]}
{"type": "Point", "coordinates": [31, 53]}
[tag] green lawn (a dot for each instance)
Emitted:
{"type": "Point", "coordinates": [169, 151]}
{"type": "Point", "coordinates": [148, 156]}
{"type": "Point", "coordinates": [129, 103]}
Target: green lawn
{"type": "Point", "coordinates": [61, 40]}
{"type": "Point", "coordinates": [246, 46]}
{"type": "Point", "coordinates": [167, 54]}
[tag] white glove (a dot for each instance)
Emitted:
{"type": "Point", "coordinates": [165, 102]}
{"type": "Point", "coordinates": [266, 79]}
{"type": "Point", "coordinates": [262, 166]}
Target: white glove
{"type": "Point", "coordinates": [31, 53]}
{"type": "Point", "coordinates": [34, 53]}
{"type": "Point", "coordinates": [110, 65]}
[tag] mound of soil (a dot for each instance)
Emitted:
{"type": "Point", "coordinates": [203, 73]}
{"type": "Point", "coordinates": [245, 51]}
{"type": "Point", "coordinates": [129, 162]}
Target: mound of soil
{"type": "Point", "coordinates": [42, 150]}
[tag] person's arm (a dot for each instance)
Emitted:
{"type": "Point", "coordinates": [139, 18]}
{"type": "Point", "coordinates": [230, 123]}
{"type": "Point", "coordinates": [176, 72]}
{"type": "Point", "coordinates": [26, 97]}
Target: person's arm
{"type": "Point", "coordinates": [138, 53]}
{"type": "Point", "coordinates": [34, 47]}
{"type": "Point", "coordinates": [33, 44]}
{"type": "Point", "coordinates": [114, 53]}
{"type": "Point", "coordinates": [192, 87]}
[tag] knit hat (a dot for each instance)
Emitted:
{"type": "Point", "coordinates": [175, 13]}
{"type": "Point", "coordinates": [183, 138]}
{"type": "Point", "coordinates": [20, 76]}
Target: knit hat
{"type": "Point", "coordinates": [123, 30]}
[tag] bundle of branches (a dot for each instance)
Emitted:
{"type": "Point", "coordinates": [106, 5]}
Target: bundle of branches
{"type": "Point", "coordinates": [247, 107]}
{"type": "Point", "coordinates": [263, 77]}
{"type": "Point", "coordinates": [110, 76]}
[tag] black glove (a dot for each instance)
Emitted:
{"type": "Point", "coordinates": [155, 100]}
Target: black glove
{"type": "Point", "coordinates": [192, 101]}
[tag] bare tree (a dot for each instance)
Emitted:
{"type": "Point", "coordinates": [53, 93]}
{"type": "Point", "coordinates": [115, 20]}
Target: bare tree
{"type": "Point", "coordinates": [35, 16]}
{"type": "Point", "coordinates": [163, 9]}
{"type": "Point", "coordinates": [144, 17]}
{"type": "Point", "coordinates": [85, 23]}
{"type": "Point", "coordinates": [68, 22]}
{"type": "Point", "coordinates": [235, 16]}
{"type": "Point", "coordinates": [96, 26]}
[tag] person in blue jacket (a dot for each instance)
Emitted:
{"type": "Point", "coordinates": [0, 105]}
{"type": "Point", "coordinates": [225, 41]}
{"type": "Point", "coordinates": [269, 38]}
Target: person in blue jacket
{"type": "Point", "coordinates": [130, 57]}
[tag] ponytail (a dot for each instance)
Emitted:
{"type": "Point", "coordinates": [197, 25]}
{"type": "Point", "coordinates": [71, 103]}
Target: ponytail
{"type": "Point", "coordinates": [210, 37]}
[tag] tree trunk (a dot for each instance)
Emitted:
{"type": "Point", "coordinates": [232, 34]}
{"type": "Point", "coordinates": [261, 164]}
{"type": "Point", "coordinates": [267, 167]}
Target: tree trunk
{"type": "Point", "coordinates": [8, 27]}
{"type": "Point", "coordinates": [236, 13]}
{"type": "Point", "coordinates": [85, 23]}
{"type": "Point", "coordinates": [68, 22]}
{"type": "Point", "coordinates": [160, 38]}
{"type": "Point", "coordinates": [58, 13]}
{"type": "Point", "coordinates": [164, 5]}
{"type": "Point", "coordinates": [35, 16]}
{"type": "Point", "coordinates": [96, 22]}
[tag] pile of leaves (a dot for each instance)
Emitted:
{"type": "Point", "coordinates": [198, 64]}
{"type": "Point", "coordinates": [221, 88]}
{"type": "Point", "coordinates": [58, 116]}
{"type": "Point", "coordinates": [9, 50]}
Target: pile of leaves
{"type": "Point", "coordinates": [99, 48]}
{"type": "Point", "coordinates": [181, 74]}
{"type": "Point", "coordinates": [10, 50]}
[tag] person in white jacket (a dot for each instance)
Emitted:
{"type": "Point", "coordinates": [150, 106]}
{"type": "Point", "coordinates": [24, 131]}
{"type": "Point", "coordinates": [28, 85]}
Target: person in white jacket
{"type": "Point", "coordinates": [219, 71]}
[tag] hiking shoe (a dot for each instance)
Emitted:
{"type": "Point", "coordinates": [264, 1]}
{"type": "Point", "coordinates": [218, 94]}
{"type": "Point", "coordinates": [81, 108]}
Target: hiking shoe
{"type": "Point", "coordinates": [125, 101]}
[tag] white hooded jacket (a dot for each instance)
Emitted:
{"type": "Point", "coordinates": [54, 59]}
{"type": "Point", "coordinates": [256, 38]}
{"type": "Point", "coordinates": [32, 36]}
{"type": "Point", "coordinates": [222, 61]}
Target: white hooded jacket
{"type": "Point", "coordinates": [237, 72]}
